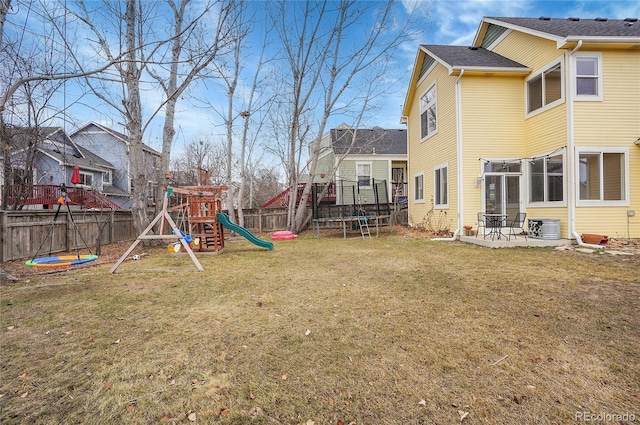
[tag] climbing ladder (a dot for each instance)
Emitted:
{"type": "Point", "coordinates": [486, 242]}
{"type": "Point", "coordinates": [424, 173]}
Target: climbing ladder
{"type": "Point", "coordinates": [363, 224]}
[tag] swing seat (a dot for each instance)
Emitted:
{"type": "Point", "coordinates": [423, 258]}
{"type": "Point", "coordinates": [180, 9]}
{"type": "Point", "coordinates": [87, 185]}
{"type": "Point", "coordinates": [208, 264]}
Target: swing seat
{"type": "Point", "coordinates": [61, 261]}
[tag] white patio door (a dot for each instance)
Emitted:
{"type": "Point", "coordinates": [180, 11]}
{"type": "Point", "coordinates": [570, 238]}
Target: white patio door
{"type": "Point", "coordinates": [502, 194]}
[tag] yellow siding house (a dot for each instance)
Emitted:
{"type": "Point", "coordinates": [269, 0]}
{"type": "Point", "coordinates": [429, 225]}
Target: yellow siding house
{"type": "Point", "coordinates": [538, 116]}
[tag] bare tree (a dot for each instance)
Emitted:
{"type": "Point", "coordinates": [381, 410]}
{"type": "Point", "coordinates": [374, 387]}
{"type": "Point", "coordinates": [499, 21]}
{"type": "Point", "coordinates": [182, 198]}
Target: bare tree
{"type": "Point", "coordinates": [174, 61]}
{"type": "Point", "coordinates": [254, 114]}
{"type": "Point", "coordinates": [265, 184]}
{"type": "Point", "coordinates": [202, 154]}
{"type": "Point", "coordinates": [33, 67]}
{"type": "Point", "coordinates": [325, 68]}
{"type": "Point", "coordinates": [192, 51]}
{"type": "Point", "coordinates": [248, 100]}
{"type": "Point", "coordinates": [5, 5]}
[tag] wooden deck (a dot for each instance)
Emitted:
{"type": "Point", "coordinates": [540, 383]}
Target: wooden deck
{"type": "Point", "coordinates": [48, 195]}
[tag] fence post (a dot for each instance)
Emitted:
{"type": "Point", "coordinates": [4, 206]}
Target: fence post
{"type": "Point", "coordinates": [112, 228]}
{"type": "Point", "coordinates": [66, 231]}
{"type": "Point", "coordinates": [3, 236]}
{"type": "Point", "coordinates": [260, 220]}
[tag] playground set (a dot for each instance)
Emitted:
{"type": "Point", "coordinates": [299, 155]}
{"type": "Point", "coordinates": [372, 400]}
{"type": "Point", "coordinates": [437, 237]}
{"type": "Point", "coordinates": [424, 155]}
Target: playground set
{"type": "Point", "coordinates": [357, 204]}
{"type": "Point", "coordinates": [201, 223]}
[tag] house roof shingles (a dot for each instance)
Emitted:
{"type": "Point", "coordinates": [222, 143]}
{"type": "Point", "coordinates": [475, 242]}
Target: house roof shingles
{"type": "Point", "coordinates": [84, 158]}
{"type": "Point", "coordinates": [369, 141]}
{"type": "Point", "coordinates": [578, 27]}
{"type": "Point", "coordinates": [464, 56]}
{"type": "Point", "coordinates": [116, 134]}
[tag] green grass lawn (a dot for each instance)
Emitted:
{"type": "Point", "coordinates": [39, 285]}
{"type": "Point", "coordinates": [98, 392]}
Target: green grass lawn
{"type": "Point", "coordinates": [392, 330]}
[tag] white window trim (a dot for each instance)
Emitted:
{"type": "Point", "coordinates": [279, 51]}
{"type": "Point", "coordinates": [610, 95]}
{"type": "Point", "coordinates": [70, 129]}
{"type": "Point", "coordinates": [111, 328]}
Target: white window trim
{"type": "Point", "coordinates": [108, 179]}
{"type": "Point", "coordinates": [435, 189]}
{"type": "Point", "coordinates": [435, 102]}
{"type": "Point", "coordinates": [413, 183]}
{"type": "Point", "coordinates": [548, 204]}
{"type": "Point", "coordinates": [83, 174]}
{"type": "Point", "coordinates": [597, 202]}
{"type": "Point", "coordinates": [574, 77]}
{"type": "Point", "coordinates": [369, 163]}
{"type": "Point", "coordinates": [547, 67]}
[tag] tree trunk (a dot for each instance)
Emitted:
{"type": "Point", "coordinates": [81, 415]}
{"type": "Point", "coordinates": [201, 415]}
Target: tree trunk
{"type": "Point", "coordinates": [133, 110]}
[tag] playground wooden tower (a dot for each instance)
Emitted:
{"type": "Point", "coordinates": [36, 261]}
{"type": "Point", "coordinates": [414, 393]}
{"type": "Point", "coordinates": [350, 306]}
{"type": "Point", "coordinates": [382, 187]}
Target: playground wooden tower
{"type": "Point", "coordinates": [203, 205]}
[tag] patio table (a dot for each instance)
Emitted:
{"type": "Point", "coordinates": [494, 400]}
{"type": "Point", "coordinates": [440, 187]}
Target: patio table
{"type": "Point", "coordinates": [495, 222]}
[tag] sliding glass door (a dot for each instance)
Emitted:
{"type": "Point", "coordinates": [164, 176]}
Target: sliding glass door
{"type": "Point", "coordinates": [502, 194]}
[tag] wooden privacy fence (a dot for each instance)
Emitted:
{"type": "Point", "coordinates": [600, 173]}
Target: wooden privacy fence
{"type": "Point", "coordinates": [27, 233]}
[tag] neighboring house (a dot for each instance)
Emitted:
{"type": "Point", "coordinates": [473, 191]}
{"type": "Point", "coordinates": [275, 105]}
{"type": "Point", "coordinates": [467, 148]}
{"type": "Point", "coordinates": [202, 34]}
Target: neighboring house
{"type": "Point", "coordinates": [540, 116]}
{"type": "Point", "coordinates": [362, 155]}
{"type": "Point", "coordinates": [54, 159]}
{"type": "Point", "coordinates": [114, 147]}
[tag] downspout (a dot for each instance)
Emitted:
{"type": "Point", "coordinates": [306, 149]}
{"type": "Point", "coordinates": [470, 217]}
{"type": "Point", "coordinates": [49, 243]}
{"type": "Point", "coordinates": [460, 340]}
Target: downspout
{"type": "Point", "coordinates": [405, 120]}
{"type": "Point", "coordinates": [458, 158]}
{"type": "Point", "coordinates": [571, 154]}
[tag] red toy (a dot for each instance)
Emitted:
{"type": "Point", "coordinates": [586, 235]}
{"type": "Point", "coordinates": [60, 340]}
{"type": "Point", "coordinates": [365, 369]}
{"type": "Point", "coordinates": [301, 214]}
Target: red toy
{"type": "Point", "coordinates": [283, 235]}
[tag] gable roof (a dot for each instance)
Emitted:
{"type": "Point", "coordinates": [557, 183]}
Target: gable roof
{"type": "Point", "coordinates": [71, 153]}
{"type": "Point", "coordinates": [455, 58]}
{"type": "Point", "coordinates": [567, 32]}
{"type": "Point", "coordinates": [116, 134]}
{"type": "Point", "coordinates": [369, 141]}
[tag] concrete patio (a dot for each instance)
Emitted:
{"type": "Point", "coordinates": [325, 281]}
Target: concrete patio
{"type": "Point", "coordinates": [518, 241]}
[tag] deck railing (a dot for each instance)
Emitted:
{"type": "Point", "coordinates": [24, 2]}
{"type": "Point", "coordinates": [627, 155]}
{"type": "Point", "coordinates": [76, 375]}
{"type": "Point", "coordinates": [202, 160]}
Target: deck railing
{"type": "Point", "coordinates": [282, 199]}
{"type": "Point", "coordinates": [49, 194]}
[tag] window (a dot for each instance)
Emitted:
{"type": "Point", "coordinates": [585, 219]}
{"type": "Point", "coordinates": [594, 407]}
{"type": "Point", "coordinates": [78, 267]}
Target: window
{"type": "Point", "coordinates": [86, 179]}
{"type": "Point", "coordinates": [364, 174]}
{"type": "Point", "coordinates": [588, 76]}
{"type": "Point", "coordinates": [106, 177]}
{"type": "Point", "coordinates": [397, 175]}
{"type": "Point", "coordinates": [441, 187]}
{"type": "Point", "coordinates": [418, 191]}
{"type": "Point", "coordinates": [428, 123]}
{"type": "Point", "coordinates": [546, 179]}
{"type": "Point", "coordinates": [544, 90]}
{"type": "Point", "coordinates": [603, 176]}
{"type": "Point", "coordinates": [19, 175]}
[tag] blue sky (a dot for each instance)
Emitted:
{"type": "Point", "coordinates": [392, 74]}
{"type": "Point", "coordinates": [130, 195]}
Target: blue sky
{"type": "Point", "coordinates": [450, 22]}
{"type": "Point", "coordinates": [455, 22]}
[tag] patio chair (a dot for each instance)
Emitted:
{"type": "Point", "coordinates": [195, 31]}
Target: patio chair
{"type": "Point", "coordinates": [518, 224]}
{"type": "Point", "coordinates": [481, 224]}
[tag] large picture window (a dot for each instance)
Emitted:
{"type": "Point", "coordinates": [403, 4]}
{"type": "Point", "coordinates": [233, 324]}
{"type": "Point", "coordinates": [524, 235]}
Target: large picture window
{"type": "Point", "coordinates": [418, 187]}
{"type": "Point", "coordinates": [546, 177]}
{"type": "Point", "coordinates": [545, 89]}
{"type": "Point", "coordinates": [441, 189]}
{"type": "Point", "coordinates": [603, 176]}
{"type": "Point", "coordinates": [428, 121]}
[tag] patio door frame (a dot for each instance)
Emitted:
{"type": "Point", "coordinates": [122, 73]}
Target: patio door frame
{"type": "Point", "coordinates": [509, 181]}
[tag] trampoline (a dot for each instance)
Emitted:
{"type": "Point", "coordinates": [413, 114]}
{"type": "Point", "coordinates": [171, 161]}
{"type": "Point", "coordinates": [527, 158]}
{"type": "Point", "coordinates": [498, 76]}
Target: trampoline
{"type": "Point", "coordinates": [61, 261]}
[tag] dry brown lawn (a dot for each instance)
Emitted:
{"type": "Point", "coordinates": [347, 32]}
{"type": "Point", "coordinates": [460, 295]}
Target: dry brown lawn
{"type": "Point", "coordinates": [393, 330]}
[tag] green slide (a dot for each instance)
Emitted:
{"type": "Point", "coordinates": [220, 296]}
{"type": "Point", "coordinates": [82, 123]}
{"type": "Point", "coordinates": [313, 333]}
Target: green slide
{"type": "Point", "coordinates": [224, 219]}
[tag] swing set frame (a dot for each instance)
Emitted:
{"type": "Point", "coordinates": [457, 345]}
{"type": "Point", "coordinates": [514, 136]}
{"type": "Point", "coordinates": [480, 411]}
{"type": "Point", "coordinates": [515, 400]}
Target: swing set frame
{"type": "Point", "coordinates": [176, 234]}
{"type": "Point", "coordinates": [62, 260]}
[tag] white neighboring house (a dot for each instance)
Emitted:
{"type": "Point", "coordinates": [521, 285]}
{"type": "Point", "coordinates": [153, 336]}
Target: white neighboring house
{"type": "Point", "coordinates": [114, 147]}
